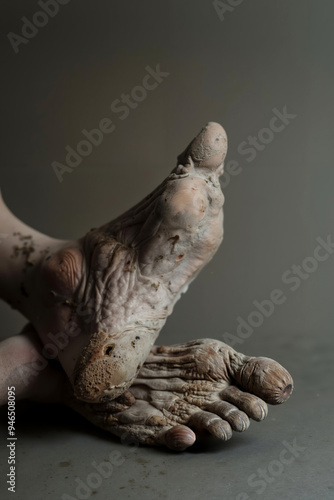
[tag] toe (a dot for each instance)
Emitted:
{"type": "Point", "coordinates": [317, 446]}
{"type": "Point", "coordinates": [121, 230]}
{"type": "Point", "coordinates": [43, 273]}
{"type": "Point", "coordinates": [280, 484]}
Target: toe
{"type": "Point", "coordinates": [209, 147]}
{"type": "Point", "coordinates": [253, 406]}
{"type": "Point", "coordinates": [237, 419]}
{"type": "Point", "coordinates": [266, 378]}
{"type": "Point", "coordinates": [212, 423]}
{"type": "Point", "coordinates": [178, 438]}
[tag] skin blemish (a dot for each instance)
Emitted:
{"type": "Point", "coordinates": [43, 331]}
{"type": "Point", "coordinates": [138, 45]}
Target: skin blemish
{"type": "Point", "coordinates": [16, 250]}
{"type": "Point", "coordinates": [179, 257]}
{"type": "Point", "coordinates": [174, 239]}
{"type": "Point", "coordinates": [133, 343]}
{"type": "Point", "coordinates": [44, 251]}
{"type": "Point", "coordinates": [25, 250]}
{"type": "Point", "coordinates": [137, 338]}
{"type": "Point", "coordinates": [108, 349]}
{"type": "Point", "coordinates": [70, 303]}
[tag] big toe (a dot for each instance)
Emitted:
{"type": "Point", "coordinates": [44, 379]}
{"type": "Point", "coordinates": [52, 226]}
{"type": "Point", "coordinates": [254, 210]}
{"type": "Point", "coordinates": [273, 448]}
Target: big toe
{"type": "Point", "coordinates": [209, 147]}
{"type": "Point", "coordinates": [266, 379]}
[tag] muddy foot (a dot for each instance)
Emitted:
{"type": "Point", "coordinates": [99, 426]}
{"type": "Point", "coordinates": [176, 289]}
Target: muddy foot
{"type": "Point", "coordinates": [119, 283]}
{"type": "Point", "coordinates": [189, 389]}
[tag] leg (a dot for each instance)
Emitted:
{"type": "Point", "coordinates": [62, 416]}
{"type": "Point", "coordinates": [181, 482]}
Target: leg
{"type": "Point", "coordinates": [23, 366]}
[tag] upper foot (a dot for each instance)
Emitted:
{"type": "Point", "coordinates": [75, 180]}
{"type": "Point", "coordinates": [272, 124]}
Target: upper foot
{"type": "Point", "coordinates": [102, 300]}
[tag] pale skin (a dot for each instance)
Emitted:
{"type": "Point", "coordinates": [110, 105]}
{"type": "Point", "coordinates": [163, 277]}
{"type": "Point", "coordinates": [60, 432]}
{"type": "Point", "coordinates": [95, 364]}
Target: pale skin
{"type": "Point", "coordinates": [96, 305]}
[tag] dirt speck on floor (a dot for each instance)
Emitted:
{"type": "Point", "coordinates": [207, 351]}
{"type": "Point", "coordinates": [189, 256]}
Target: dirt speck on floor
{"type": "Point", "coordinates": [65, 464]}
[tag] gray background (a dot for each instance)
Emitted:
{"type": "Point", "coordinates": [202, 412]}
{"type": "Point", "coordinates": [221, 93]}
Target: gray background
{"type": "Point", "coordinates": [263, 55]}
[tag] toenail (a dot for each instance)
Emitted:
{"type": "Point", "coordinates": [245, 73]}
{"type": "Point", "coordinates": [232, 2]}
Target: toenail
{"type": "Point", "coordinates": [263, 411]}
{"type": "Point", "coordinates": [179, 438]}
{"type": "Point", "coordinates": [287, 391]}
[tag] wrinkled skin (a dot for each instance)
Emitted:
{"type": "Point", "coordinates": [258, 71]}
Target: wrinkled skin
{"type": "Point", "coordinates": [97, 305]}
{"type": "Point", "coordinates": [189, 389]}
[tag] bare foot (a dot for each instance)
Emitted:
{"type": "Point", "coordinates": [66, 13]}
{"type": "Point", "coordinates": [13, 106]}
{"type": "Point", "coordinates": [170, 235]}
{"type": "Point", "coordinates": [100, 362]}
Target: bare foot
{"type": "Point", "coordinates": [98, 303]}
{"type": "Point", "coordinates": [191, 388]}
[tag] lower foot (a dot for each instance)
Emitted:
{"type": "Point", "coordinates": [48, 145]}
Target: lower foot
{"type": "Point", "coordinates": [185, 390]}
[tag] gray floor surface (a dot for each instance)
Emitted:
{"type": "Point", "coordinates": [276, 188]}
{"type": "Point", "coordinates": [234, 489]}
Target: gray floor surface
{"type": "Point", "coordinates": [58, 452]}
